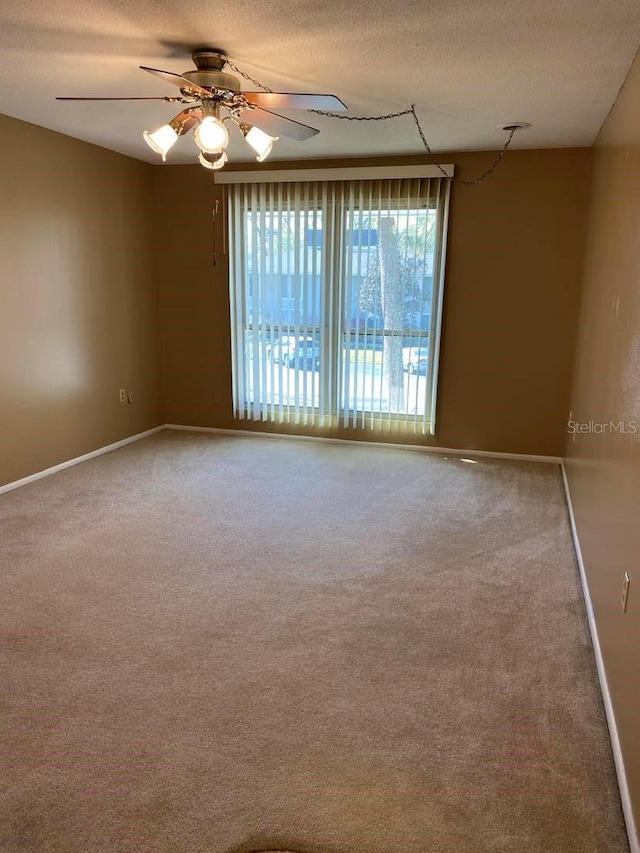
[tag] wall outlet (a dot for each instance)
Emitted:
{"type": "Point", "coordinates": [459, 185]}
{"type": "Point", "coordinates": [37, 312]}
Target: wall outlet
{"type": "Point", "coordinates": [625, 591]}
{"type": "Point", "coordinates": [131, 397]}
{"type": "Point", "coordinates": [123, 395]}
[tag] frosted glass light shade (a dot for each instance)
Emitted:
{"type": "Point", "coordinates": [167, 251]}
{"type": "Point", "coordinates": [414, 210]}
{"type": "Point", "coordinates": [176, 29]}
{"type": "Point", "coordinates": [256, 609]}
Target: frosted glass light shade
{"type": "Point", "coordinates": [261, 142]}
{"type": "Point", "coordinates": [161, 140]}
{"type": "Point", "coordinates": [210, 161]}
{"type": "Point", "coordinates": [211, 135]}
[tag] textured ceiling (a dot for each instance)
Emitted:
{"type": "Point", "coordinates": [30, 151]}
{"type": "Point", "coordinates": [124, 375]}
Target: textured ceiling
{"type": "Point", "coordinates": [468, 65]}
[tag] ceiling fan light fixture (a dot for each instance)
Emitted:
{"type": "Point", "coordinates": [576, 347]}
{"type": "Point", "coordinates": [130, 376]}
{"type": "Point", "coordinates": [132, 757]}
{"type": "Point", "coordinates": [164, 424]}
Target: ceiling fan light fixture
{"type": "Point", "coordinates": [213, 161]}
{"type": "Point", "coordinates": [161, 140]}
{"type": "Point", "coordinates": [211, 135]}
{"type": "Point", "coordinates": [260, 141]}
{"type": "Point", "coordinates": [210, 91]}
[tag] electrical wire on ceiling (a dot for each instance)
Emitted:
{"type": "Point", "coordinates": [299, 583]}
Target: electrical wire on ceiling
{"type": "Point", "coordinates": [511, 128]}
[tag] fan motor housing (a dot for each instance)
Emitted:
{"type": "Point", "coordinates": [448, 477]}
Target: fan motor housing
{"type": "Point", "coordinates": [213, 79]}
{"type": "Point", "coordinates": [209, 62]}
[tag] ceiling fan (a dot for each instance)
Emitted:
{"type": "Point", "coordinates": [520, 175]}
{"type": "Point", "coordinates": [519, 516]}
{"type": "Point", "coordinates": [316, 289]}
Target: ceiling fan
{"type": "Point", "coordinates": [214, 99]}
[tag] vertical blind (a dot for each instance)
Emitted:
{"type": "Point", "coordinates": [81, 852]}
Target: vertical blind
{"type": "Point", "coordinates": [336, 293]}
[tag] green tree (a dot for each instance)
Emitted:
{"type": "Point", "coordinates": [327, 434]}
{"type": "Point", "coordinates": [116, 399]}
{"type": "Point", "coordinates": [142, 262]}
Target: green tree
{"type": "Point", "coordinates": [393, 286]}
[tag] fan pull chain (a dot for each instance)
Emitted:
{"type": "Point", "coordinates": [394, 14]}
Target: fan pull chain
{"type": "Point", "coordinates": [214, 216]}
{"type": "Point", "coordinates": [412, 112]}
{"type": "Point", "coordinates": [246, 77]}
{"type": "Point", "coordinates": [215, 212]}
{"type": "Point", "coordinates": [225, 208]}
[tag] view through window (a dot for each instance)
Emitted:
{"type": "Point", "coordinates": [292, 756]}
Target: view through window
{"type": "Point", "coordinates": [335, 293]}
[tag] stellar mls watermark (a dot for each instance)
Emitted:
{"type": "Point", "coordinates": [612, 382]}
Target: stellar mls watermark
{"type": "Point", "coordinates": [603, 427]}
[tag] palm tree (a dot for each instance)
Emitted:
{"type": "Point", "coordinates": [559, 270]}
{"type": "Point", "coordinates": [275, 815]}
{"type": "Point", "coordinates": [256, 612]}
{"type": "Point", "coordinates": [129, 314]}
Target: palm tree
{"type": "Point", "coordinates": [392, 303]}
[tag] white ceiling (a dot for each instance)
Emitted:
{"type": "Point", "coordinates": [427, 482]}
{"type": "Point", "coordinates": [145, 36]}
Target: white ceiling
{"type": "Point", "coordinates": [468, 65]}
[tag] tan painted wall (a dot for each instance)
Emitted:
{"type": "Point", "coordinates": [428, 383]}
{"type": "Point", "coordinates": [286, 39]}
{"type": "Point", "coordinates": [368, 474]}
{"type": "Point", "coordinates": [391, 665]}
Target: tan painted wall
{"type": "Point", "coordinates": [78, 309]}
{"type": "Point", "coordinates": [604, 468]}
{"type": "Point", "coordinates": [513, 276]}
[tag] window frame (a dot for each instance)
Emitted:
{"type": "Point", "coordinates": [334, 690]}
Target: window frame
{"type": "Point", "coordinates": [330, 404]}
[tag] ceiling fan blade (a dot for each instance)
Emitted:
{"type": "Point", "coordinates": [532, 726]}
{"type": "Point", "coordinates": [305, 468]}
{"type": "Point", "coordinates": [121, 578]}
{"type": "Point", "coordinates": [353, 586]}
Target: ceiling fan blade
{"type": "Point", "coordinates": [276, 125]}
{"type": "Point", "coordinates": [294, 101]}
{"type": "Point", "coordinates": [177, 99]}
{"type": "Point", "coordinates": [177, 80]}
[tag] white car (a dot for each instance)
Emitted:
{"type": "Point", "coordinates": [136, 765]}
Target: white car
{"type": "Point", "coordinates": [295, 351]}
{"type": "Point", "coordinates": [415, 359]}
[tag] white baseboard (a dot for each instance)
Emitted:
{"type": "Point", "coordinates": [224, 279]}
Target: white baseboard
{"type": "Point", "coordinates": [627, 808]}
{"type": "Point", "coordinates": [443, 451]}
{"type": "Point", "coordinates": [55, 468]}
{"type": "Point", "coordinates": [422, 448]}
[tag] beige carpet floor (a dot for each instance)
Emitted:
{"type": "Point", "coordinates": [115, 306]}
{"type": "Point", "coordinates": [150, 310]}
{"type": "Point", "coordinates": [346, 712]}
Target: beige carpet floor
{"type": "Point", "coordinates": [228, 644]}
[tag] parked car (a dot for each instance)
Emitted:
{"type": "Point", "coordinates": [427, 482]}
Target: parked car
{"type": "Point", "coordinates": [295, 351]}
{"type": "Point", "coordinates": [415, 359]}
